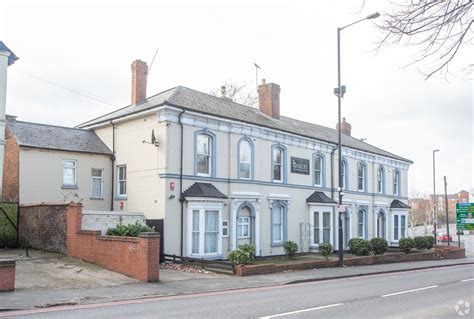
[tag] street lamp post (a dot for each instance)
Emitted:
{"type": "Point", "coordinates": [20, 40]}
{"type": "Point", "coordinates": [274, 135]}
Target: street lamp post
{"type": "Point", "coordinates": [435, 217]}
{"type": "Point", "coordinates": [340, 93]}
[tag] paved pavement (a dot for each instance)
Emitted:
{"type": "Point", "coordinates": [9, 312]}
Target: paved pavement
{"type": "Point", "coordinates": [429, 293]}
{"type": "Point", "coordinates": [176, 283]}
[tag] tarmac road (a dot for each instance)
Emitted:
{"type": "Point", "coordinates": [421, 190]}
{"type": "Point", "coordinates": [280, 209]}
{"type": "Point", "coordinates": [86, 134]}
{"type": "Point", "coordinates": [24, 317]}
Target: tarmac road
{"type": "Point", "coordinates": [429, 293]}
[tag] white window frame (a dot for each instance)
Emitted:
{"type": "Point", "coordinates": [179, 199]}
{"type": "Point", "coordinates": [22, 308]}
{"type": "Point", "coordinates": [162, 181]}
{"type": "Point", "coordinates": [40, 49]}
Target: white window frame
{"type": "Point", "coordinates": [250, 164]}
{"type": "Point", "coordinates": [321, 210]}
{"type": "Point", "coordinates": [364, 177]}
{"type": "Point", "coordinates": [320, 170]}
{"type": "Point", "coordinates": [281, 164]}
{"type": "Point", "coordinates": [380, 180]}
{"type": "Point", "coordinates": [364, 223]}
{"type": "Point", "coordinates": [210, 155]}
{"type": "Point", "coordinates": [282, 225]}
{"type": "Point", "coordinates": [343, 175]}
{"type": "Point", "coordinates": [225, 228]}
{"type": "Point", "coordinates": [202, 207]}
{"type": "Point", "coordinates": [121, 180]}
{"type": "Point", "coordinates": [399, 215]}
{"type": "Point", "coordinates": [242, 223]}
{"type": "Point", "coordinates": [75, 172]}
{"type": "Point", "coordinates": [101, 181]}
{"type": "Point", "coordinates": [396, 183]}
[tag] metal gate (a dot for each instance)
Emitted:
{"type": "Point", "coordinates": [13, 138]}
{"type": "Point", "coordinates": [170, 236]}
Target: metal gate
{"type": "Point", "coordinates": [9, 224]}
{"type": "Point", "coordinates": [159, 226]}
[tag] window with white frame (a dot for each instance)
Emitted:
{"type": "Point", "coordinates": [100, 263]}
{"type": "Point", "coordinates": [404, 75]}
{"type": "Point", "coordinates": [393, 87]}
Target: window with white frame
{"type": "Point", "coordinates": [97, 183]}
{"type": "Point", "coordinates": [396, 182]}
{"type": "Point", "coordinates": [278, 162]}
{"type": "Point", "coordinates": [277, 224]}
{"type": "Point", "coordinates": [361, 176]}
{"type": "Point", "coordinates": [243, 227]}
{"type": "Point", "coordinates": [344, 174]}
{"type": "Point", "coordinates": [245, 159]}
{"type": "Point", "coordinates": [318, 170]}
{"type": "Point", "coordinates": [204, 229]}
{"type": "Point", "coordinates": [225, 228]}
{"type": "Point", "coordinates": [380, 180]}
{"type": "Point", "coordinates": [361, 221]}
{"type": "Point", "coordinates": [69, 173]}
{"type": "Point", "coordinates": [322, 230]}
{"type": "Point", "coordinates": [204, 154]}
{"type": "Point", "coordinates": [399, 226]}
{"type": "Point", "coordinates": [121, 180]}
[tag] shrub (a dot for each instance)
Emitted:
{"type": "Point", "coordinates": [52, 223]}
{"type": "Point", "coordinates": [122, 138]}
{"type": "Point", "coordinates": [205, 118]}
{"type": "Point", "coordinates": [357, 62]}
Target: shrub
{"type": "Point", "coordinates": [406, 244]}
{"type": "Point", "coordinates": [421, 242]}
{"type": "Point", "coordinates": [291, 248]}
{"type": "Point", "coordinates": [359, 247]}
{"type": "Point", "coordinates": [378, 245]}
{"type": "Point", "coordinates": [250, 249]}
{"type": "Point", "coordinates": [325, 249]}
{"type": "Point", "coordinates": [132, 230]}
{"type": "Point", "coordinates": [242, 255]}
{"type": "Point", "coordinates": [430, 241]}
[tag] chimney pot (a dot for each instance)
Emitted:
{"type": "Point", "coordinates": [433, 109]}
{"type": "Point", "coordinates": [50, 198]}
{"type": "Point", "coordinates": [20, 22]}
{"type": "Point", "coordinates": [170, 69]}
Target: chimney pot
{"type": "Point", "coordinates": [269, 99]}
{"type": "Point", "coordinates": [139, 79]}
{"type": "Point", "coordinates": [346, 128]}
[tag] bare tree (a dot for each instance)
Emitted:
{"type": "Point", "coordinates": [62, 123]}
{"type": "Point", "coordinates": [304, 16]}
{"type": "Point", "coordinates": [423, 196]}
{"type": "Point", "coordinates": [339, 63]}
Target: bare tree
{"type": "Point", "coordinates": [239, 93]}
{"type": "Point", "coordinates": [439, 27]}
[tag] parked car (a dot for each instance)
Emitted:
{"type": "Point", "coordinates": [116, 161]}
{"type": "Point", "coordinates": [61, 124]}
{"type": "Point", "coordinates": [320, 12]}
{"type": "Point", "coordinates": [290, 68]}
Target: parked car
{"type": "Point", "coordinates": [444, 237]}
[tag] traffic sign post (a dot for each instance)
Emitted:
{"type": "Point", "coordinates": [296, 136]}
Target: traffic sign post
{"type": "Point", "coordinates": [464, 216]}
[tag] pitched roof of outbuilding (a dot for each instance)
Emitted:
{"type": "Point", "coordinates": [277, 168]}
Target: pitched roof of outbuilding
{"type": "Point", "coordinates": [12, 58]}
{"type": "Point", "coordinates": [203, 190]}
{"type": "Point", "coordinates": [399, 204]}
{"type": "Point", "coordinates": [320, 197]}
{"type": "Point", "coordinates": [57, 137]}
{"type": "Point", "coordinates": [192, 100]}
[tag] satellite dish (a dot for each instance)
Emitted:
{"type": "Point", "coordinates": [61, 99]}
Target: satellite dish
{"type": "Point", "coordinates": [153, 138]}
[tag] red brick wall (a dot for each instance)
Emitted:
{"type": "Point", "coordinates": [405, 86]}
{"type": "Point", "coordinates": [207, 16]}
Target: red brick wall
{"type": "Point", "coordinates": [11, 170]}
{"type": "Point", "coordinates": [44, 226]}
{"type": "Point", "coordinates": [7, 275]}
{"type": "Point", "coordinates": [137, 257]}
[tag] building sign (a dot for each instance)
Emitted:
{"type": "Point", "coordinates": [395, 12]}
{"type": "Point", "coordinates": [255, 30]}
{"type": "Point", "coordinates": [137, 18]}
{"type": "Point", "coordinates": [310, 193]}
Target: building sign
{"type": "Point", "coordinates": [465, 216]}
{"type": "Point", "coordinates": [299, 165]}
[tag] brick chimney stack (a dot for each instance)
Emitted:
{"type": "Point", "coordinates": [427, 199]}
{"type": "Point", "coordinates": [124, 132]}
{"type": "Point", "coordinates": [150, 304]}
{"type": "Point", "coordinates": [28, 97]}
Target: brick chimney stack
{"type": "Point", "coordinates": [269, 99]}
{"type": "Point", "coordinates": [139, 77]}
{"type": "Point", "coordinates": [345, 127]}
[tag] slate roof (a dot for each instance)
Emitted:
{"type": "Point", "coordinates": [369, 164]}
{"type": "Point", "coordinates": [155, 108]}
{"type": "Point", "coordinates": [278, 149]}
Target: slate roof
{"type": "Point", "coordinates": [203, 190]}
{"type": "Point", "coordinates": [320, 197]}
{"type": "Point", "coordinates": [398, 204]}
{"type": "Point", "coordinates": [192, 100]}
{"type": "Point", "coordinates": [12, 58]}
{"type": "Point", "coordinates": [57, 137]}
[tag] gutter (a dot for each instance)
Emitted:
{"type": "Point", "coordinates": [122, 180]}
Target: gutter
{"type": "Point", "coordinates": [112, 158]}
{"type": "Point", "coordinates": [181, 198]}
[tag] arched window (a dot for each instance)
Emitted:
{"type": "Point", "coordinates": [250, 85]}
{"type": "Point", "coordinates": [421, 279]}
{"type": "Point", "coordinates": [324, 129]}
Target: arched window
{"type": "Point", "coordinates": [245, 159]}
{"type": "Point", "coordinates": [318, 165]}
{"type": "Point", "coordinates": [345, 175]}
{"type": "Point", "coordinates": [380, 180]}
{"type": "Point", "coordinates": [205, 153]}
{"type": "Point", "coordinates": [278, 164]}
{"type": "Point", "coordinates": [362, 177]}
{"type": "Point", "coordinates": [396, 182]}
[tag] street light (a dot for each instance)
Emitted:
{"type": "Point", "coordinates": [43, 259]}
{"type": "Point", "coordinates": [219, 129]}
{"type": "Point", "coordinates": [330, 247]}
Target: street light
{"type": "Point", "coordinates": [435, 217]}
{"type": "Point", "coordinates": [339, 92]}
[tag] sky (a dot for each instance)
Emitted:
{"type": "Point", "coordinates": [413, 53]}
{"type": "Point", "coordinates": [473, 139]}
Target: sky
{"type": "Point", "coordinates": [75, 65]}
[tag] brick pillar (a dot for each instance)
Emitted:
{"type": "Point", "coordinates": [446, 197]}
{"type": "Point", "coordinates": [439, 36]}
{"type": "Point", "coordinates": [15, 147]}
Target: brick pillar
{"type": "Point", "coordinates": [269, 99]}
{"type": "Point", "coordinates": [139, 79]}
{"type": "Point", "coordinates": [7, 275]}
{"type": "Point", "coordinates": [150, 242]}
{"type": "Point", "coordinates": [73, 225]}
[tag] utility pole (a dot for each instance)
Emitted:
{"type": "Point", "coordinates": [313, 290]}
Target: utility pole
{"type": "Point", "coordinates": [446, 207]}
{"type": "Point", "coordinates": [435, 216]}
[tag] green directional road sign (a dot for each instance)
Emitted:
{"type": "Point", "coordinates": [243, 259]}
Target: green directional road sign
{"type": "Point", "coordinates": [465, 216]}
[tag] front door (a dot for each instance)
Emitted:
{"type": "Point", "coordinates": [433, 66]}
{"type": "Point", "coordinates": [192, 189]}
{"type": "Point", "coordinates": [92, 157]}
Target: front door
{"type": "Point", "coordinates": [245, 227]}
{"type": "Point", "coordinates": [381, 225]}
{"type": "Point", "coordinates": [345, 230]}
